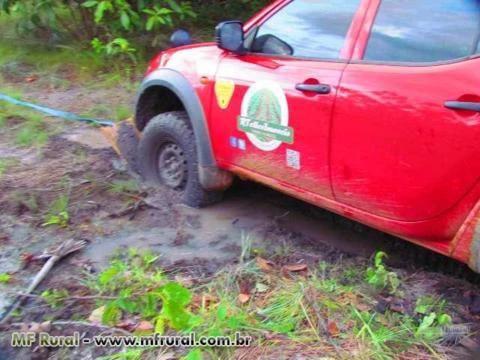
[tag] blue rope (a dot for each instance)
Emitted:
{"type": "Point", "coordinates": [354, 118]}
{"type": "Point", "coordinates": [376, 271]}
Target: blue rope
{"type": "Point", "coordinates": [56, 113]}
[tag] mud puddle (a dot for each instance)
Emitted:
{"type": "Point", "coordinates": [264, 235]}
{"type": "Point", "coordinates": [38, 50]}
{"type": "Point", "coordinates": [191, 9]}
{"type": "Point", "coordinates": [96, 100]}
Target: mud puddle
{"type": "Point", "coordinates": [90, 137]}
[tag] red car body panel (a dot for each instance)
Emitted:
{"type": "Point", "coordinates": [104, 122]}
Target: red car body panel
{"type": "Point", "coordinates": [381, 148]}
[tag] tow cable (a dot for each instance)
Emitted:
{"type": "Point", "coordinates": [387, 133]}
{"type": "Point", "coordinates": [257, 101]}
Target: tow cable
{"type": "Point", "coordinates": [122, 136]}
{"type": "Point", "coordinates": [56, 113]}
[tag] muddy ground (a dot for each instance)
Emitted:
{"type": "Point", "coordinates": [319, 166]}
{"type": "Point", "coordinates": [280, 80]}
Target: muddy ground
{"type": "Point", "coordinates": [79, 162]}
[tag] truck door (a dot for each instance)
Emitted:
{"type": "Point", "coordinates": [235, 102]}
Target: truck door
{"type": "Point", "coordinates": [407, 124]}
{"type": "Point", "coordinates": [272, 111]}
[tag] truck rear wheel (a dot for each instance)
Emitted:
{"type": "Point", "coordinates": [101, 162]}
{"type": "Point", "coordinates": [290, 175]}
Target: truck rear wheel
{"type": "Point", "coordinates": [168, 156]}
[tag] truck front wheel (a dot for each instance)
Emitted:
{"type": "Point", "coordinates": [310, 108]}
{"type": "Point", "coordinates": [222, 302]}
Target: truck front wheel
{"type": "Point", "coordinates": [168, 156]}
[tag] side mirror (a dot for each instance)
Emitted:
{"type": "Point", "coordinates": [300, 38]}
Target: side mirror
{"type": "Point", "coordinates": [180, 37]}
{"type": "Point", "coordinates": [230, 36]}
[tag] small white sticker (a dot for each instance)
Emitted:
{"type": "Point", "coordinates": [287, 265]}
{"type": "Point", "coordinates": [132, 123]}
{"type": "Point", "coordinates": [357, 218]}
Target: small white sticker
{"type": "Point", "coordinates": [242, 145]}
{"type": "Point", "coordinates": [293, 159]}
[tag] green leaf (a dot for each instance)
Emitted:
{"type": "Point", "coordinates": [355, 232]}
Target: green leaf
{"type": "Point", "coordinates": [175, 7]}
{"type": "Point", "coordinates": [127, 305]}
{"type": "Point", "coordinates": [150, 303]}
{"type": "Point", "coordinates": [444, 319]}
{"type": "Point", "coordinates": [160, 325]}
{"type": "Point", "coordinates": [222, 312]}
{"type": "Point", "coordinates": [426, 323]}
{"type": "Point", "coordinates": [150, 23]}
{"type": "Point", "coordinates": [90, 3]}
{"type": "Point", "coordinates": [112, 314]}
{"type": "Point", "coordinates": [125, 20]}
{"type": "Point", "coordinates": [379, 258]}
{"type": "Point", "coordinates": [106, 276]}
{"type": "Point", "coordinates": [101, 9]}
{"type": "Point", "coordinates": [174, 292]}
{"type": "Point", "coordinates": [5, 278]}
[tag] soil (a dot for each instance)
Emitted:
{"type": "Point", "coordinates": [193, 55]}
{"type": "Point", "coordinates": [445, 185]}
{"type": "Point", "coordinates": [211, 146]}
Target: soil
{"type": "Point", "coordinates": [79, 162]}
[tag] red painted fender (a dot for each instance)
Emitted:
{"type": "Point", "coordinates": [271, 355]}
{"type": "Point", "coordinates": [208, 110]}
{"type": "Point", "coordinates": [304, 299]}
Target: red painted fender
{"type": "Point", "coordinates": [466, 244]}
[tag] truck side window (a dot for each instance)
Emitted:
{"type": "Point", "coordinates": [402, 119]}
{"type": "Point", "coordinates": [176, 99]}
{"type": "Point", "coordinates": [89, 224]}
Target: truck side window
{"type": "Point", "coordinates": [306, 28]}
{"type": "Point", "coordinates": [424, 31]}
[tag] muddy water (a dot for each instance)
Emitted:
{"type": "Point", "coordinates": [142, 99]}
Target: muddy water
{"type": "Point", "coordinates": [216, 232]}
{"type": "Point", "coordinates": [90, 137]}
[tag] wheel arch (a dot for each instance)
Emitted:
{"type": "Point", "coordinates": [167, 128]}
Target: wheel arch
{"type": "Point", "coordinates": [166, 90]}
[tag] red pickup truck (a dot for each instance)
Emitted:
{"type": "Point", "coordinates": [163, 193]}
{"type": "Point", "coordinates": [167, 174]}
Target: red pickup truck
{"type": "Point", "coordinates": [368, 108]}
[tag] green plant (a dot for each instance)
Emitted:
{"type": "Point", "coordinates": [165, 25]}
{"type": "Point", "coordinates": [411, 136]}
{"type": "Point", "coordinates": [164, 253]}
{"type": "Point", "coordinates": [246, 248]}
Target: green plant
{"type": "Point", "coordinates": [379, 277]}
{"type": "Point", "coordinates": [54, 298]}
{"type": "Point", "coordinates": [5, 278]}
{"type": "Point", "coordinates": [283, 311]}
{"type": "Point", "coordinates": [434, 317]}
{"type": "Point", "coordinates": [165, 303]}
{"type": "Point", "coordinates": [115, 48]}
{"type": "Point", "coordinates": [121, 17]}
{"type": "Point", "coordinates": [104, 23]}
{"type": "Point", "coordinates": [430, 328]}
{"type": "Point", "coordinates": [58, 213]}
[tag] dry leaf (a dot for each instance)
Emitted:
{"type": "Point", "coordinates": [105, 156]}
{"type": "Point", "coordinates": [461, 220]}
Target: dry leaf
{"type": "Point", "coordinates": [363, 307]}
{"type": "Point", "coordinates": [332, 328]}
{"type": "Point", "coordinates": [264, 265]}
{"type": "Point", "coordinates": [144, 326]}
{"type": "Point", "coordinates": [46, 326]}
{"type": "Point", "coordinates": [97, 315]}
{"type": "Point", "coordinates": [296, 267]}
{"type": "Point", "coordinates": [243, 298]}
{"type": "Point", "coordinates": [31, 79]}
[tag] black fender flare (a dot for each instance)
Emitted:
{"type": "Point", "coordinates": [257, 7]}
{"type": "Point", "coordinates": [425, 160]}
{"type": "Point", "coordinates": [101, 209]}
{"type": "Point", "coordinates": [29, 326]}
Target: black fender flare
{"type": "Point", "coordinates": [211, 177]}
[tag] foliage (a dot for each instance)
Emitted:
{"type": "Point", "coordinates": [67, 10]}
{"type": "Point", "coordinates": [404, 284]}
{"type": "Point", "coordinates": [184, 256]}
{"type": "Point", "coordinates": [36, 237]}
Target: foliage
{"type": "Point", "coordinates": [141, 290]}
{"type": "Point", "coordinates": [379, 277]}
{"type": "Point", "coordinates": [54, 298]}
{"type": "Point", "coordinates": [58, 213]}
{"type": "Point", "coordinates": [111, 27]}
{"type": "Point", "coordinates": [318, 310]}
{"type": "Point", "coordinates": [114, 48]}
{"type": "Point", "coordinates": [5, 278]}
{"type": "Point", "coordinates": [104, 24]}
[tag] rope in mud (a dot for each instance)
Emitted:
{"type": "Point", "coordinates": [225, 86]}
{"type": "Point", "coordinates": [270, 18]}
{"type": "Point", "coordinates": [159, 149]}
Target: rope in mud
{"type": "Point", "coordinates": [55, 113]}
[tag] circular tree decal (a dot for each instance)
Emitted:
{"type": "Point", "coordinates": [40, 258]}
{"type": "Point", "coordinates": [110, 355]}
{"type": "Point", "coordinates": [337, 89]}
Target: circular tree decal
{"type": "Point", "coordinates": [264, 116]}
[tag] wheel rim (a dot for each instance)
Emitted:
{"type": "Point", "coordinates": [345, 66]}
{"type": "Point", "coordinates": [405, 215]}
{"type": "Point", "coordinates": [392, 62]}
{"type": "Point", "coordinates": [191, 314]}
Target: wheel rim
{"type": "Point", "coordinates": [172, 166]}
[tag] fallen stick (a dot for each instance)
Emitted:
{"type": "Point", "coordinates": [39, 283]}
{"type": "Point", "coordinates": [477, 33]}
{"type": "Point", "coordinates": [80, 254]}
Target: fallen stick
{"type": "Point", "coordinates": [67, 247]}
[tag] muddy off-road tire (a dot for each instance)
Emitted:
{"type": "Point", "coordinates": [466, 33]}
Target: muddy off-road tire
{"type": "Point", "coordinates": [168, 156]}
